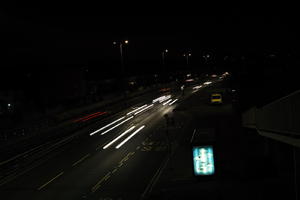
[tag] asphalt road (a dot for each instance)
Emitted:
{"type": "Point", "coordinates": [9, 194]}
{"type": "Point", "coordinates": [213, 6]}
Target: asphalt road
{"type": "Point", "coordinates": [83, 169]}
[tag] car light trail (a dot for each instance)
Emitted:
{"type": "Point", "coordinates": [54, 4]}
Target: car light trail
{"type": "Point", "coordinates": [143, 109]}
{"type": "Point", "coordinates": [197, 87]}
{"type": "Point", "coordinates": [167, 102]}
{"type": "Point", "coordinates": [119, 124]}
{"type": "Point", "coordinates": [94, 116]}
{"type": "Point", "coordinates": [117, 138]}
{"type": "Point", "coordinates": [207, 83]}
{"type": "Point", "coordinates": [130, 136]}
{"type": "Point", "coordinates": [89, 116]}
{"type": "Point", "coordinates": [161, 99]}
{"type": "Point", "coordinates": [104, 127]}
{"type": "Point", "coordinates": [173, 102]}
{"type": "Point", "coordinates": [137, 109]}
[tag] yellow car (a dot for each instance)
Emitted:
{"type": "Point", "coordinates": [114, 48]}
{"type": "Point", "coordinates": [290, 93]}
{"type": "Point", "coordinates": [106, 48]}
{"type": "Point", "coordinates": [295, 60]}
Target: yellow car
{"type": "Point", "coordinates": [216, 98]}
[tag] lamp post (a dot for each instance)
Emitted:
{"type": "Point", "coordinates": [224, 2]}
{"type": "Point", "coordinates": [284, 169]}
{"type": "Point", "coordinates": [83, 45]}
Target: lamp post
{"type": "Point", "coordinates": [121, 44]}
{"type": "Point", "coordinates": [187, 55]}
{"type": "Point", "coordinates": [163, 56]}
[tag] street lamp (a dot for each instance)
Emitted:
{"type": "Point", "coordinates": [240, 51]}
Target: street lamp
{"type": "Point", "coordinates": [121, 43]}
{"type": "Point", "coordinates": [163, 54]}
{"type": "Point", "coordinates": [187, 55]}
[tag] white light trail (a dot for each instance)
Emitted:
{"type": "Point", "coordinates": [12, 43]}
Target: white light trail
{"type": "Point", "coordinates": [130, 136]}
{"type": "Point", "coordinates": [137, 109]}
{"type": "Point", "coordinates": [161, 99]}
{"type": "Point", "coordinates": [104, 127]}
{"type": "Point", "coordinates": [143, 109]}
{"type": "Point", "coordinates": [173, 102]}
{"type": "Point", "coordinates": [207, 83]}
{"type": "Point", "coordinates": [117, 138]}
{"type": "Point", "coordinates": [167, 102]}
{"type": "Point", "coordinates": [117, 125]}
{"type": "Point", "coordinates": [197, 87]}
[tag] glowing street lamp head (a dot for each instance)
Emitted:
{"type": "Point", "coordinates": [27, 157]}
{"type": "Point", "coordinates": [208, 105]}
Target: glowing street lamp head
{"type": "Point", "coordinates": [114, 42]}
{"type": "Point", "coordinates": [190, 54]}
{"type": "Point", "coordinates": [126, 41]}
{"type": "Point", "coordinates": [166, 50]}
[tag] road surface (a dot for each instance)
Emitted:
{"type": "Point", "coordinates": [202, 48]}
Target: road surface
{"type": "Point", "coordinates": [115, 158]}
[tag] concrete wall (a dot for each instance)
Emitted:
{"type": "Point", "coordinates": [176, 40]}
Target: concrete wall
{"type": "Point", "coordinates": [279, 120]}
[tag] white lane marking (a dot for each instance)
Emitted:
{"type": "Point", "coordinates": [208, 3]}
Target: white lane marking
{"type": "Point", "coordinates": [61, 173]}
{"type": "Point", "coordinates": [80, 160]}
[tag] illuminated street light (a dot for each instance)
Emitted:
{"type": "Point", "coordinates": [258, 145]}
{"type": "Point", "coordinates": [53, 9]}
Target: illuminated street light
{"type": "Point", "coordinates": [121, 43]}
{"type": "Point", "coordinates": [187, 55]}
{"type": "Point", "coordinates": [163, 56]}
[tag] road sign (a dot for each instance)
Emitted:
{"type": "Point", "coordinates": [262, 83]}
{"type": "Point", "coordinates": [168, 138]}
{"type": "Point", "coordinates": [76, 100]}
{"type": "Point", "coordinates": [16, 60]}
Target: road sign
{"type": "Point", "coordinates": [203, 160]}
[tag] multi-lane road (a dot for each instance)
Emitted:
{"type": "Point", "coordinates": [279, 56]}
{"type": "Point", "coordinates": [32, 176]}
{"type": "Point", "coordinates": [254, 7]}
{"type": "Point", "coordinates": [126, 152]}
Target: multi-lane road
{"type": "Point", "coordinates": [113, 158]}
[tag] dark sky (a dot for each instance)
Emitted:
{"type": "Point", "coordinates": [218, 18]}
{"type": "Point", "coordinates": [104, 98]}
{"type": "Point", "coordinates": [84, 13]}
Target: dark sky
{"type": "Point", "coordinates": [42, 35]}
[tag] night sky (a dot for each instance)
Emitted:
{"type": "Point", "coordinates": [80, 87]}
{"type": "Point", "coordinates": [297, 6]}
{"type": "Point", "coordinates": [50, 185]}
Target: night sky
{"type": "Point", "coordinates": [37, 37]}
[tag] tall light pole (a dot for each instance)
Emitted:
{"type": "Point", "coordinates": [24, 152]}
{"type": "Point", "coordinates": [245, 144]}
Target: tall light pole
{"type": "Point", "coordinates": [121, 43]}
{"type": "Point", "coordinates": [163, 56]}
{"type": "Point", "coordinates": [187, 55]}
{"type": "Point", "coordinates": [206, 57]}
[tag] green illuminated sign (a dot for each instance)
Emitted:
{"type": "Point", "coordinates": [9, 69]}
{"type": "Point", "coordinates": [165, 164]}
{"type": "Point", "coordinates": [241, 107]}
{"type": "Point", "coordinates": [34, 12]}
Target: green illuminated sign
{"type": "Point", "coordinates": [203, 159]}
